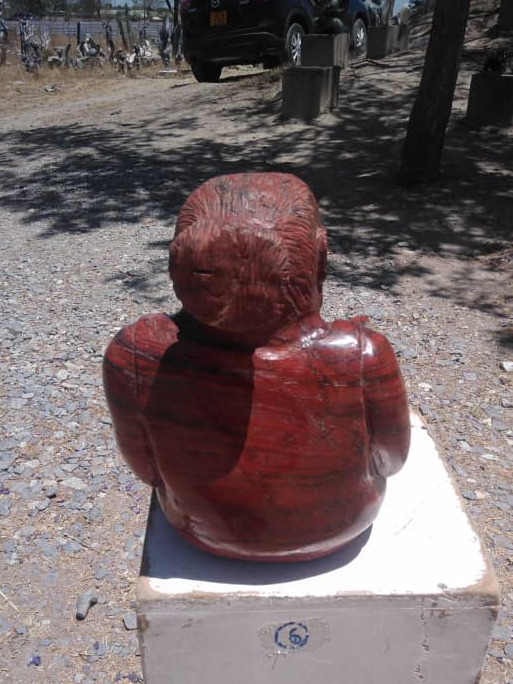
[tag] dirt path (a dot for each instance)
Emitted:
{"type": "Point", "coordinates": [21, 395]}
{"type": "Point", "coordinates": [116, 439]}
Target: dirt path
{"type": "Point", "coordinates": [93, 173]}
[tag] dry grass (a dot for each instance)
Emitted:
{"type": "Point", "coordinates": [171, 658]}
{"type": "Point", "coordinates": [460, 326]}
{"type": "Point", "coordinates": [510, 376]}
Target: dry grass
{"type": "Point", "coordinates": [18, 87]}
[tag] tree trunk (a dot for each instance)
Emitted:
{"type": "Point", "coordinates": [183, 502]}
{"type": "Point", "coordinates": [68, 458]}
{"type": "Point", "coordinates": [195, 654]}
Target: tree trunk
{"type": "Point", "coordinates": [425, 137]}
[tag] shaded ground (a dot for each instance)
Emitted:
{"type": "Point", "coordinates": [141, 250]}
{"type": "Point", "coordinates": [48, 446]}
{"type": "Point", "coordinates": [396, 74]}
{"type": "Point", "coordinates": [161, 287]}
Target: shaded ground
{"type": "Point", "coordinates": [92, 177]}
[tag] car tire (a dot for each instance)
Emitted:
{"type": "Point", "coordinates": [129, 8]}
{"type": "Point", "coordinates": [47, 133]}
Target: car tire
{"type": "Point", "coordinates": [293, 44]}
{"type": "Point", "coordinates": [206, 72]}
{"type": "Point", "coordinates": [359, 38]}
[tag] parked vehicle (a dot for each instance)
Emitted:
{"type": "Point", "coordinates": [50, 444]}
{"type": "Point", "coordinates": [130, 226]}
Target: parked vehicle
{"type": "Point", "coordinates": [221, 32]}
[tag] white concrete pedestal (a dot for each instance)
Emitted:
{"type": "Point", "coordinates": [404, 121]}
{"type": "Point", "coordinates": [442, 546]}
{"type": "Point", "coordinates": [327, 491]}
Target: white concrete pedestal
{"type": "Point", "coordinates": [412, 601]}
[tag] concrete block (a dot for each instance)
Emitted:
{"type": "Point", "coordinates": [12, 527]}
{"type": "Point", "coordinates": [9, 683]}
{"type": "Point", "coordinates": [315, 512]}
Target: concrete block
{"type": "Point", "coordinates": [309, 91]}
{"type": "Point", "coordinates": [506, 15]}
{"type": "Point", "coordinates": [325, 50]}
{"type": "Point", "coordinates": [490, 100]}
{"type": "Point", "coordinates": [403, 38]}
{"type": "Point", "coordinates": [411, 600]}
{"type": "Point", "coordinates": [381, 41]}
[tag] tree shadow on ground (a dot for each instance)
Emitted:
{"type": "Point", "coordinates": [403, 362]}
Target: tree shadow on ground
{"type": "Point", "coordinates": [73, 178]}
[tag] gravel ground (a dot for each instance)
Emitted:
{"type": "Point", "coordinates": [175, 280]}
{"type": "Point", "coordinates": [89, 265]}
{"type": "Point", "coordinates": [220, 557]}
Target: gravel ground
{"type": "Point", "coordinates": [92, 177]}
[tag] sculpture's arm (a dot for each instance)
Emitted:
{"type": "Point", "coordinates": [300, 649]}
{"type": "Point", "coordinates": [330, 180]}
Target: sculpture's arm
{"type": "Point", "coordinates": [120, 383]}
{"type": "Point", "coordinates": [386, 405]}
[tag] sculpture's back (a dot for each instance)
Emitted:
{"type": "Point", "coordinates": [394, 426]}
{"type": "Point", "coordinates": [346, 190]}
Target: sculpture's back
{"type": "Point", "coordinates": [267, 432]}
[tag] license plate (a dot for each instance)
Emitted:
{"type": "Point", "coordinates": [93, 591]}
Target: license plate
{"type": "Point", "coordinates": [218, 18]}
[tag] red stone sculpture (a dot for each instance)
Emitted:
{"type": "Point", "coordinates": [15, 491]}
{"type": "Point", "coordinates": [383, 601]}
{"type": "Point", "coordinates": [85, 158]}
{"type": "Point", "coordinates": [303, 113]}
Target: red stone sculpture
{"type": "Point", "coordinates": [267, 432]}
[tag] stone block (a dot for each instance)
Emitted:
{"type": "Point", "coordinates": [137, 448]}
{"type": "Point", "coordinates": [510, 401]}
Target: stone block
{"type": "Point", "coordinates": [506, 15]}
{"type": "Point", "coordinates": [382, 41]}
{"type": "Point", "coordinates": [490, 100]}
{"type": "Point", "coordinates": [403, 38]}
{"type": "Point", "coordinates": [309, 91]}
{"type": "Point", "coordinates": [411, 600]}
{"type": "Point", "coordinates": [325, 50]}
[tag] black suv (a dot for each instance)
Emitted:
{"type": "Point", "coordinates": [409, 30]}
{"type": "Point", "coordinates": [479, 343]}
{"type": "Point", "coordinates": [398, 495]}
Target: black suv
{"type": "Point", "coordinates": [221, 32]}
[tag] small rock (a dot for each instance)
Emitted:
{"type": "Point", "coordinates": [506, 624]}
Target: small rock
{"type": "Point", "coordinates": [507, 366]}
{"type": "Point", "coordinates": [48, 550]}
{"type": "Point", "coordinates": [21, 629]}
{"type": "Point", "coordinates": [50, 493]}
{"type": "Point", "coordinates": [498, 655]}
{"type": "Point", "coordinates": [74, 483]}
{"type": "Point", "coordinates": [6, 461]}
{"type": "Point", "coordinates": [503, 633]}
{"type": "Point", "coordinates": [72, 547]}
{"type": "Point", "coordinates": [42, 505]}
{"type": "Point", "coordinates": [489, 457]}
{"type": "Point", "coordinates": [508, 650]}
{"type": "Point", "coordinates": [504, 541]}
{"type": "Point", "coordinates": [468, 494]}
{"type": "Point", "coordinates": [101, 573]}
{"type": "Point", "coordinates": [35, 660]}
{"type": "Point", "coordinates": [130, 620]}
{"type": "Point", "coordinates": [85, 601]}
{"type": "Point", "coordinates": [507, 402]}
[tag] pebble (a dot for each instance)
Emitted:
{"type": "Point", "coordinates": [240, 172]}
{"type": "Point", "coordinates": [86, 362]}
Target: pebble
{"type": "Point", "coordinates": [71, 547]}
{"type": "Point", "coordinates": [508, 650]}
{"type": "Point", "coordinates": [6, 461]}
{"type": "Point", "coordinates": [130, 620]}
{"type": "Point", "coordinates": [488, 457]}
{"type": "Point", "coordinates": [84, 602]}
{"type": "Point", "coordinates": [507, 366]}
{"type": "Point", "coordinates": [74, 483]}
{"type": "Point", "coordinates": [504, 541]}
{"type": "Point", "coordinates": [48, 550]}
{"type": "Point", "coordinates": [503, 633]}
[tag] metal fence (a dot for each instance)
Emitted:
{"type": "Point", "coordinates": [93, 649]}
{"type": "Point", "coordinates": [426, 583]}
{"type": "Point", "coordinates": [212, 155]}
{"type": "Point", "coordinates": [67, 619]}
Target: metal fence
{"type": "Point", "coordinates": [69, 28]}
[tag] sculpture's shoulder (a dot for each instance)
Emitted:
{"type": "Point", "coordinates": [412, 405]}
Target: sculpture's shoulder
{"type": "Point", "coordinates": [378, 357]}
{"type": "Point", "coordinates": [144, 341]}
{"type": "Point", "coordinates": [350, 347]}
{"type": "Point", "coordinates": [317, 347]}
{"type": "Point", "coordinates": [339, 347]}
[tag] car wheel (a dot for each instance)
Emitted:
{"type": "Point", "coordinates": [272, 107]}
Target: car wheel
{"type": "Point", "coordinates": [359, 36]}
{"type": "Point", "coordinates": [206, 72]}
{"type": "Point", "coordinates": [293, 44]}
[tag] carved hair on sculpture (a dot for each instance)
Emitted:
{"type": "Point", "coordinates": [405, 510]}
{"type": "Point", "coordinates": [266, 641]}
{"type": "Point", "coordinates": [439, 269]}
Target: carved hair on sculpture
{"type": "Point", "coordinates": [249, 253]}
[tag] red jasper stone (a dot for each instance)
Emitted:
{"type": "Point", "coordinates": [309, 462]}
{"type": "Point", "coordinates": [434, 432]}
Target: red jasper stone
{"type": "Point", "coordinates": [267, 432]}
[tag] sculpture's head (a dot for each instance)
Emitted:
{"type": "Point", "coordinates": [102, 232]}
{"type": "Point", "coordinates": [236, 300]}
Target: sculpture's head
{"type": "Point", "coordinates": [249, 253]}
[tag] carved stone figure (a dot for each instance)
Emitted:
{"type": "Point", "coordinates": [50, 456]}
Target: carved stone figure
{"type": "Point", "coordinates": [267, 432]}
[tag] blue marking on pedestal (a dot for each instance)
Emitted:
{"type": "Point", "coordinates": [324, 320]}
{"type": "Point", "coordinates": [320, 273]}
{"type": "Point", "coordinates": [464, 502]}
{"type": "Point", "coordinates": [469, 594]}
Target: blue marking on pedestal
{"type": "Point", "coordinates": [291, 636]}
